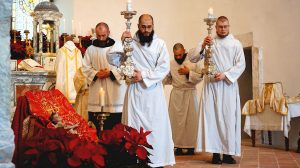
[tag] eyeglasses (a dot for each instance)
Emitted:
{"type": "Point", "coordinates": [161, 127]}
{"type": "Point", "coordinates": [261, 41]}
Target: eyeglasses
{"type": "Point", "coordinates": [223, 27]}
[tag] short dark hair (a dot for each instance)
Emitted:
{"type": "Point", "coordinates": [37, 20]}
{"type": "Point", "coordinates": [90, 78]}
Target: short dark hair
{"type": "Point", "coordinates": [178, 46]}
{"type": "Point", "coordinates": [222, 18]}
{"type": "Point", "coordinates": [102, 24]}
{"type": "Point", "coordinates": [143, 15]}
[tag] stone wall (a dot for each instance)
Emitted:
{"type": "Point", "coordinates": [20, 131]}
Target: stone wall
{"type": "Point", "coordinates": [6, 133]}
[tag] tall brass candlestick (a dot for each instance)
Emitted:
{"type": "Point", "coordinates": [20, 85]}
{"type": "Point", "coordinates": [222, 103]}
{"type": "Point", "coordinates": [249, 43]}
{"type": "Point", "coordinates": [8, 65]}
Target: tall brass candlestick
{"type": "Point", "coordinates": [209, 66]}
{"type": "Point", "coordinates": [127, 67]}
{"type": "Point", "coordinates": [15, 34]}
{"type": "Point", "coordinates": [26, 35]}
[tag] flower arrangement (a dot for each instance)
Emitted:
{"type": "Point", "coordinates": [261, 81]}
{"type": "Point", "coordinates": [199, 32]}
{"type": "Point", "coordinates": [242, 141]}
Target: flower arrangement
{"type": "Point", "coordinates": [120, 147]}
{"type": "Point", "coordinates": [57, 148]}
{"type": "Point", "coordinates": [17, 48]}
{"type": "Point", "coordinates": [21, 49]}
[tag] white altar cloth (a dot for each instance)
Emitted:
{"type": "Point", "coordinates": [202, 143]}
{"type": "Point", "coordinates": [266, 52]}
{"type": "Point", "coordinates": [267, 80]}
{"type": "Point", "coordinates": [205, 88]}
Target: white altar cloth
{"type": "Point", "coordinates": [272, 121]}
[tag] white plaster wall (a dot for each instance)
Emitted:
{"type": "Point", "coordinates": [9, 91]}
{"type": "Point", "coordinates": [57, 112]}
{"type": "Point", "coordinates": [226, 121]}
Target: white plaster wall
{"type": "Point", "coordinates": [274, 23]}
{"type": "Point", "coordinates": [65, 7]}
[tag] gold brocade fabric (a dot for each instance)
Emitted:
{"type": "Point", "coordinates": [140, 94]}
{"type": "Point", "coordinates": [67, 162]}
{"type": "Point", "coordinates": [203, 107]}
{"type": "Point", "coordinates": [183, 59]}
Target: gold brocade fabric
{"type": "Point", "coordinates": [43, 103]}
{"type": "Point", "coordinates": [81, 102]}
{"type": "Point", "coordinates": [292, 100]}
{"type": "Point", "coordinates": [252, 107]}
{"type": "Point", "coordinates": [272, 95]}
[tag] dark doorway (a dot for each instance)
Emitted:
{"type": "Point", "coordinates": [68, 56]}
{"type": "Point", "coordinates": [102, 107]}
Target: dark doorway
{"type": "Point", "coordinates": [246, 84]}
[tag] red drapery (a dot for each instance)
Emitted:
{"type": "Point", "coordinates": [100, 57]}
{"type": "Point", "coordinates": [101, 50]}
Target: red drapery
{"type": "Point", "coordinates": [33, 111]}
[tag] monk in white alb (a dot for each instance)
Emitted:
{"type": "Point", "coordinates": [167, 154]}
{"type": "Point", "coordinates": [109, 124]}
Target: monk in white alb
{"type": "Point", "coordinates": [145, 104]}
{"type": "Point", "coordinates": [220, 111]}
{"type": "Point", "coordinates": [183, 106]}
{"type": "Point", "coordinates": [100, 74]}
{"type": "Point", "coordinates": [68, 61]}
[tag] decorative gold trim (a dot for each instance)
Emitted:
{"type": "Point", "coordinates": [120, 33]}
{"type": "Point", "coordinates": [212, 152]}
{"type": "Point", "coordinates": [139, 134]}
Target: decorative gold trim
{"type": "Point", "coordinates": [67, 70]}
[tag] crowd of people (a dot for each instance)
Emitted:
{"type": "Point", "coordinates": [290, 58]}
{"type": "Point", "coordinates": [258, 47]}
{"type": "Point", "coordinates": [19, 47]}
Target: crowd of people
{"type": "Point", "coordinates": [209, 123]}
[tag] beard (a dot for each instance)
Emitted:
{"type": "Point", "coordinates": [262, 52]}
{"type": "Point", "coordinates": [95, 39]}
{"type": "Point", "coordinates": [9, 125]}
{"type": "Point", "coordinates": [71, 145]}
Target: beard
{"type": "Point", "coordinates": [223, 36]}
{"type": "Point", "coordinates": [145, 39]}
{"type": "Point", "coordinates": [103, 43]}
{"type": "Point", "coordinates": [180, 61]}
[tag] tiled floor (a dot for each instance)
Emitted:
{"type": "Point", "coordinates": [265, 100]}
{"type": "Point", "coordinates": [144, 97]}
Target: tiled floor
{"type": "Point", "coordinates": [252, 157]}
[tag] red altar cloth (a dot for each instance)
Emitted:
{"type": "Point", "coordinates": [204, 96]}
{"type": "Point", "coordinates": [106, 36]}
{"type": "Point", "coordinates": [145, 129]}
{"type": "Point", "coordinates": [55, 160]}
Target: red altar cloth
{"type": "Point", "coordinates": [32, 113]}
{"type": "Point", "coordinates": [43, 103]}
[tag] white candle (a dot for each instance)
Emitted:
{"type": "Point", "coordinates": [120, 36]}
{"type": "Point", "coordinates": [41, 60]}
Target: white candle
{"type": "Point", "coordinates": [210, 12]}
{"type": "Point", "coordinates": [129, 5]}
{"type": "Point", "coordinates": [102, 93]}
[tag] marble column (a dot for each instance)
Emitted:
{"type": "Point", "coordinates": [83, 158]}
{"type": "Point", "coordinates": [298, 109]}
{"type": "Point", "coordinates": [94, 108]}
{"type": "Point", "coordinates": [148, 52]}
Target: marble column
{"type": "Point", "coordinates": [35, 36]}
{"type": "Point", "coordinates": [6, 134]}
{"type": "Point", "coordinates": [40, 36]}
{"type": "Point", "coordinates": [56, 35]}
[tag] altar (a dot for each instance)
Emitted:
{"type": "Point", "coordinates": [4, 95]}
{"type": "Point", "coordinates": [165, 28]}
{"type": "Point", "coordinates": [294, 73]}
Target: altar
{"type": "Point", "coordinates": [272, 121]}
{"type": "Point", "coordinates": [23, 81]}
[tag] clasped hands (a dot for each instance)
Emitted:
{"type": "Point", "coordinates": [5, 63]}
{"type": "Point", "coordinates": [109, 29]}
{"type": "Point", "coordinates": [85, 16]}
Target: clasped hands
{"type": "Point", "coordinates": [103, 73]}
{"type": "Point", "coordinates": [220, 76]}
{"type": "Point", "coordinates": [183, 70]}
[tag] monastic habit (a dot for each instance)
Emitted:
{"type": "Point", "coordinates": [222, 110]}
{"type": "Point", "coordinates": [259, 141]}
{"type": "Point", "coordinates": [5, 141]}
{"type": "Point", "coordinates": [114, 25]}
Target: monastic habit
{"type": "Point", "coordinates": [183, 105]}
{"type": "Point", "coordinates": [220, 113]}
{"type": "Point", "coordinates": [145, 104]}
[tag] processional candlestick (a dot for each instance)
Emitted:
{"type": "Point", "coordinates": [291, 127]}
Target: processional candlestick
{"type": "Point", "coordinates": [209, 66]}
{"type": "Point", "coordinates": [26, 35]}
{"type": "Point", "coordinates": [102, 116]}
{"type": "Point", "coordinates": [127, 67]}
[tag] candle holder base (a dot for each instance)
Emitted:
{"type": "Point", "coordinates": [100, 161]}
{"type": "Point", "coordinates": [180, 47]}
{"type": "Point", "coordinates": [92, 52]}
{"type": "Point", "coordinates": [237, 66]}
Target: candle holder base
{"type": "Point", "coordinates": [101, 117]}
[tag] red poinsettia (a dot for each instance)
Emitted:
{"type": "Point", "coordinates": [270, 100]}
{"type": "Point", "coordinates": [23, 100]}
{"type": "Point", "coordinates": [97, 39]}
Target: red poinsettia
{"type": "Point", "coordinates": [86, 152]}
{"type": "Point", "coordinates": [60, 148]}
{"type": "Point", "coordinates": [56, 147]}
{"type": "Point", "coordinates": [134, 142]}
{"type": "Point", "coordinates": [114, 136]}
{"type": "Point", "coordinates": [49, 142]}
{"type": "Point", "coordinates": [18, 50]}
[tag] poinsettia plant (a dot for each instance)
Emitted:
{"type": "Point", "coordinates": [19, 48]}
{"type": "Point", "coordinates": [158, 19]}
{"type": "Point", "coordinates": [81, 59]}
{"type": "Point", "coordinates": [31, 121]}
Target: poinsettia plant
{"type": "Point", "coordinates": [56, 147]}
{"type": "Point", "coordinates": [125, 146]}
